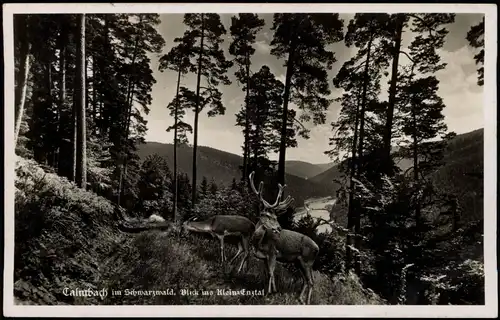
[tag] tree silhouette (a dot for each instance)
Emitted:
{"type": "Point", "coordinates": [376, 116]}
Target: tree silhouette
{"type": "Point", "coordinates": [302, 39]}
{"type": "Point", "coordinates": [179, 59]}
{"type": "Point", "coordinates": [475, 36]}
{"type": "Point", "coordinates": [211, 66]}
{"type": "Point", "coordinates": [243, 31]}
{"type": "Point", "coordinates": [80, 104]}
{"type": "Point", "coordinates": [360, 79]}
{"type": "Point", "coordinates": [430, 23]}
{"type": "Point", "coordinates": [21, 32]}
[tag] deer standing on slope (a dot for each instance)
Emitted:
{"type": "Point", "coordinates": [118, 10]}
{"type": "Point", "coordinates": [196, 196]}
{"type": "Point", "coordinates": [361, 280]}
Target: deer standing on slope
{"type": "Point", "coordinates": [220, 226]}
{"type": "Point", "coordinates": [272, 243]}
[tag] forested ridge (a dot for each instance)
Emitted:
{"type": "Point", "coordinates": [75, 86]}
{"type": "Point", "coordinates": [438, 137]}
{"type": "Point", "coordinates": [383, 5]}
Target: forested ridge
{"type": "Point", "coordinates": [83, 84]}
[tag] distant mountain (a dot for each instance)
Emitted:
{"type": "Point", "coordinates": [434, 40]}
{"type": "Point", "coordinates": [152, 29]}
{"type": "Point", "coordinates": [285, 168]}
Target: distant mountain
{"type": "Point", "coordinates": [462, 172]}
{"type": "Point", "coordinates": [306, 170]}
{"type": "Point", "coordinates": [224, 166]}
{"type": "Point", "coordinates": [327, 177]}
{"type": "Point", "coordinates": [325, 166]}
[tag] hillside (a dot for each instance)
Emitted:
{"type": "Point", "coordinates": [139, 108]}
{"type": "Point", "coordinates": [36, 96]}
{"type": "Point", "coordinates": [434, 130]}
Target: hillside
{"type": "Point", "coordinates": [463, 160]}
{"type": "Point", "coordinates": [68, 238]}
{"type": "Point", "coordinates": [306, 170]}
{"type": "Point", "coordinates": [223, 167]}
{"type": "Point", "coordinates": [463, 171]}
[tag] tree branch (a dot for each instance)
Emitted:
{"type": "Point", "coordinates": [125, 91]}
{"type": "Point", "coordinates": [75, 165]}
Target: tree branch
{"type": "Point", "coordinates": [423, 21]}
{"type": "Point", "coordinates": [408, 56]}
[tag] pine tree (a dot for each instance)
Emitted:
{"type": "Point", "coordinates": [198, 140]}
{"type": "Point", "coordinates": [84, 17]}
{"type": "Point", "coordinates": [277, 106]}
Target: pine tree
{"type": "Point", "coordinates": [204, 187]}
{"type": "Point", "coordinates": [302, 39]}
{"type": "Point", "coordinates": [475, 36]}
{"type": "Point", "coordinates": [243, 31]}
{"type": "Point", "coordinates": [111, 80]}
{"type": "Point", "coordinates": [211, 66]}
{"type": "Point", "coordinates": [213, 187]}
{"type": "Point", "coordinates": [421, 23]}
{"type": "Point", "coordinates": [154, 183]}
{"type": "Point", "coordinates": [234, 185]}
{"type": "Point", "coordinates": [360, 79]}
{"type": "Point", "coordinates": [80, 105]}
{"type": "Point", "coordinates": [21, 34]}
{"type": "Point", "coordinates": [179, 60]}
{"type": "Point", "coordinates": [263, 116]}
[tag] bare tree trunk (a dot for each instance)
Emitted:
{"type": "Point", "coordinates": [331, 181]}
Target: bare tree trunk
{"type": "Point", "coordinates": [20, 95]}
{"type": "Point", "coordinates": [49, 157]}
{"type": "Point", "coordinates": [94, 95]}
{"type": "Point", "coordinates": [352, 173]}
{"type": "Point", "coordinates": [356, 211]}
{"type": "Point", "coordinates": [392, 90]}
{"type": "Point", "coordinates": [128, 116]}
{"type": "Point", "coordinates": [62, 92]}
{"type": "Point", "coordinates": [416, 170]}
{"type": "Point", "coordinates": [176, 115]}
{"type": "Point", "coordinates": [74, 137]}
{"type": "Point", "coordinates": [284, 119]}
{"type": "Point", "coordinates": [80, 88]}
{"type": "Point", "coordinates": [197, 111]}
{"type": "Point", "coordinates": [247, 124]}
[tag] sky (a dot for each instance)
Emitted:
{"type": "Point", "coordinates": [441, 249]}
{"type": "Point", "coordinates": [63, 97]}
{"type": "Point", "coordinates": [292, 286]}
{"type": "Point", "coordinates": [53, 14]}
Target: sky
{"type": "Point", "coordinates": [458, 88]}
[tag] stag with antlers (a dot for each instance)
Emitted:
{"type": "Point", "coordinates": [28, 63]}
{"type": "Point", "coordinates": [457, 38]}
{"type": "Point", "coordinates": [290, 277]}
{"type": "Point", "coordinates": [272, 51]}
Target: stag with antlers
{"type": "Point", "coordinates": [272, 243]}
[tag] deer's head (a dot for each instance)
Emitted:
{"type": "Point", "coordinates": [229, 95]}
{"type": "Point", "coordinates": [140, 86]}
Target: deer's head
{"type": "Point", "coordinates": [268, 217]}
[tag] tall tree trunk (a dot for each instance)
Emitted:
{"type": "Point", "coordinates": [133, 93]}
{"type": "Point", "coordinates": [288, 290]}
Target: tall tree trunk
{"type": "Point", "coordinates": [176, 115]}
{"type": "Point", "coordinates": [50, 154]}
{"type": "Point", "coordinates": [80, 88]}
{"type": "Point", "coordinates": [286, 96]}
{"type": "Point", "coordinates": [416, 169]}
{"type": "Point", "coordinates": [197, 111]}
{"type": "Point", "coordinates": [24, 68]}
{"type": "Point", "coordinates": [74, 137]}
{"type": "Point", "coordinates": [94, 95]}
{"type": "Point", "coordinates": [392, 91]}
{"type": "Point", "coordinates": [360, 160]}
{"type": "Point", "coordinates": [62, 92]}
{"type": "Point", "coordinates": [105, 80]}
{"type": "Point", "coordinates": [352, 173]}
{"type": "Point", "coordinates": [247, 123]}
{"type": "Point", "coordinates": [128, 117]}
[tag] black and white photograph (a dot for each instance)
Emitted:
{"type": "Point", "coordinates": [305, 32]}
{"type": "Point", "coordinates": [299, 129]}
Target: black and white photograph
{"type": "Point", "coordinates": [250, 159]}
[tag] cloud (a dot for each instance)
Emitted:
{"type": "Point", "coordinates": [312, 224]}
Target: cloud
{"type": "Point", "coordinates": [461, 94]}
{"type": "Point", "coordinates": [262, 47]}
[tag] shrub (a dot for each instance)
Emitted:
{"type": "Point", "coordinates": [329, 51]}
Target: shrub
{"type": "Point", "coordinates": [61, 235]}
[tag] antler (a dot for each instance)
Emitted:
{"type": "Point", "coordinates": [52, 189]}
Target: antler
{"type": "Point", "coordinates": [308, 210]}
{"type": "Point", "coordinates": [280, 192]}
{"type": "Point", "coordinates": [261, 186]}
{"type": "Point", "coordinates": [277, 204]}
{"type": "Point", "coordinates": [283, 205]}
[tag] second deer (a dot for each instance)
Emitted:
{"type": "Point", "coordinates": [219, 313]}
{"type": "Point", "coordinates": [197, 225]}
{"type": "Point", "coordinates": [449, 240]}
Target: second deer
{"type": "Point", "coordinates": [220, 226]}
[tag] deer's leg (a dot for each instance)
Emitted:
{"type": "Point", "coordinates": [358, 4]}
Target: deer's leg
{"type": "Point", "coordinates": [272, 266]}
{"type": "Point", "coordinates": [221, 238]}
{"type": "Point", "coordinates": [303, 272]}
{"type": "Point", "coordinates": [240, 251]}
{"type": "Point", "coordinates": [268, 275]}
{"type": "Point", "coordinates": [244, 260]}
{"type": "Point", "coordinates": [310, 281]}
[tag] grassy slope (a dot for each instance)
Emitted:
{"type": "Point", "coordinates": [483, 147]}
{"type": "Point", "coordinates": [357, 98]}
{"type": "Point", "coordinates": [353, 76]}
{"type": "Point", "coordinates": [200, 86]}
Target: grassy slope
{"type": "Point", "coordinates": [224, 166]}
{"type": "Point", "coordinates": [66, 237]}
